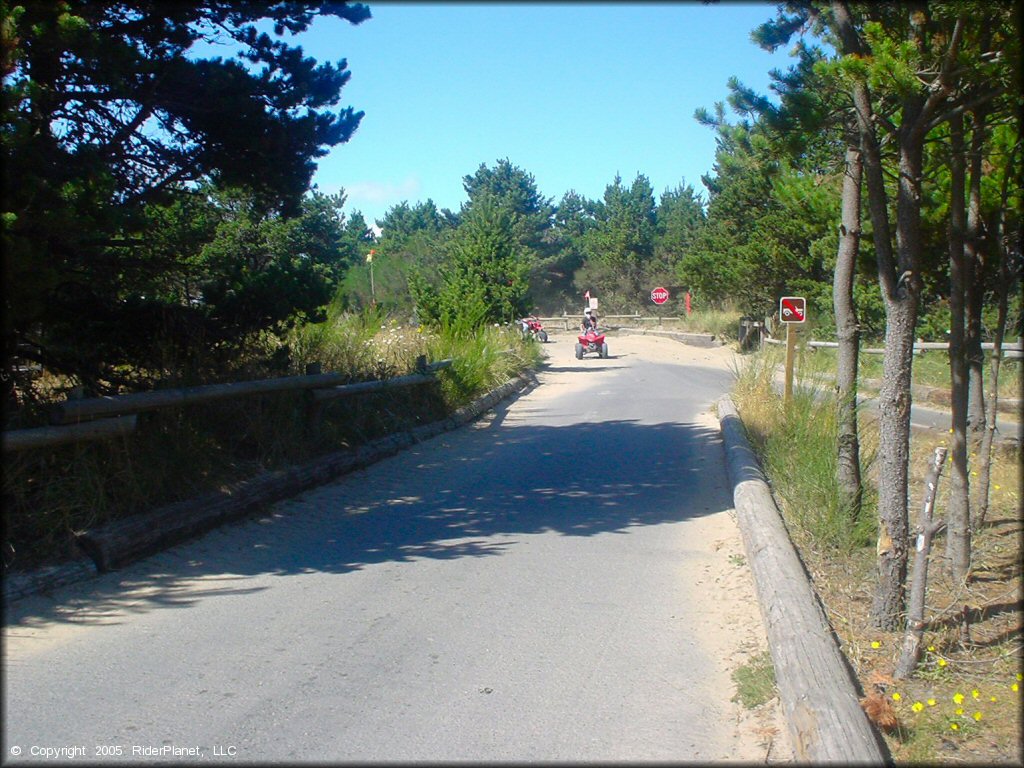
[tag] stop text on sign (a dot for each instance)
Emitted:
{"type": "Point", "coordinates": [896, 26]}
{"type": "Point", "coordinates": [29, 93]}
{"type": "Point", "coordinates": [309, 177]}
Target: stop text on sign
{"type": "Point", "coordinates": [659, 295]}
{"type": "Point", "coordinates": [792, 309]}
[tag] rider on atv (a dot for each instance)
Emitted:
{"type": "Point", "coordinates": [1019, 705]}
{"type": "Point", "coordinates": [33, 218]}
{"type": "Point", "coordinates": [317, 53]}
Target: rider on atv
{"type": "Point", "coordinates": [589, 320]}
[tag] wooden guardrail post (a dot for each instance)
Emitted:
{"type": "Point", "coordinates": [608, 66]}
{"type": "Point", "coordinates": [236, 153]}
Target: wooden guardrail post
{"type": "Point", "coordinates": [790, 358]}
{"type": "Point", "coordinates": [314, 408]}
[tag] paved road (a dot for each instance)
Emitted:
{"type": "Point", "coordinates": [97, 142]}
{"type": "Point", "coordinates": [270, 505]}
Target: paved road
{"type": "Point", "coordinates": [536, 586]}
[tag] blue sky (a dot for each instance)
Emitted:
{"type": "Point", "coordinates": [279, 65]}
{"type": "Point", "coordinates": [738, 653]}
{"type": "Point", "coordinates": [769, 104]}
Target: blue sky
{"type": "Point", "coordinates": [570, 93]}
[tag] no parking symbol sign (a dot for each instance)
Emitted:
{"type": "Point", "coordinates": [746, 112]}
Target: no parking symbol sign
{"type": "Point", "coordinates": [792, 309]}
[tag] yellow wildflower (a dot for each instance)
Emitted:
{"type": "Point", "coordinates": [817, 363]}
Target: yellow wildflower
{"type": "Point", "coordinates": [1014, 687]}
{"type": "Point", "coordinates": [977, 716]}
{"type": "Point", "coordinates": [896, 697]}
{"type": "Point", "coordinates": [942, 662]}
{"type": "Point", "coordinates": [931, 702]}
{"type": "Point", "coordinates": [958, 698]}
{"type": "Point", "coordinates": [931, 648]}
{"type": "Point", "coordinates": [958, 711]}
{"type": "Point", "coordinates": [954, 727]}
{"type": "Point", "coordinates": [975, 693]}
{"type": "Point", "coordinates": [918, 706]}
{"type": "Point", "coordinates": [875, 644]}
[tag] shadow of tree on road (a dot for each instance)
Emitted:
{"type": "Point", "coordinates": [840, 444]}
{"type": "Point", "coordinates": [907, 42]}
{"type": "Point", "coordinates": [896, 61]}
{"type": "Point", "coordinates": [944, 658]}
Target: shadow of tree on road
{"type": "Point", "coordinates": [476, 492]}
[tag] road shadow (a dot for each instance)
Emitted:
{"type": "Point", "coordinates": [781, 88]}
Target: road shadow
{"type": "Point", "coordinates": [471, 493]}
{"type": "Point", "coordinates": [581, 368]}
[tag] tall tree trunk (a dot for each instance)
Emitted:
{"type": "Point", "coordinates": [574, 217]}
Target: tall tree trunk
{"type": "Point", "coordinates": [900, 281]}
{"type": "Point", "coordinates": [977, 248]}
{"type": "Point", "coordinates": [901, 305]}
{"type": "Point", "coordinates": [848, 476]}
{"type": "Point", "coordinates": [1007, 277]}
{"type": "Point", "coordinates": [894, 459]}
{"type": "Point", "coordinates": [894, 396]}
{"type": "Point", "coordinates": [958, 539]}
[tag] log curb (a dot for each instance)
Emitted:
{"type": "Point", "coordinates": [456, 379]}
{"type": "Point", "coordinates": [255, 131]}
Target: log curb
{"type": "Point", "coordinates": [124, 541]}
{"type": "Point", "coordinates": [817, 689]}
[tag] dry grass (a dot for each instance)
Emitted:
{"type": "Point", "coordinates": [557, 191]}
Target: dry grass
{"type": "Point", "coordinates": [963, 705]}
{"type": "Point", "coordinates": [973, 638]}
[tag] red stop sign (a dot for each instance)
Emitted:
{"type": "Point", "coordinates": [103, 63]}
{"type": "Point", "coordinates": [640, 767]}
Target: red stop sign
{"type": "Point", "coordinates": [659, 295]}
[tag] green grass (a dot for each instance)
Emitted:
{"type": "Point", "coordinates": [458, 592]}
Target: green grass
{"type": "Point", "coordinates": [755, 681]}
{"type": "Point", "coordinates": [797, 446]}
{"type": "Point", "coordinates": [723, 324]}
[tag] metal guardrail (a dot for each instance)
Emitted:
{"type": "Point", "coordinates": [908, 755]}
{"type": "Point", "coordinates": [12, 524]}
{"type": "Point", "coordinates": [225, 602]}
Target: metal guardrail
{"type": "Point", "coordinates": [100, 418]}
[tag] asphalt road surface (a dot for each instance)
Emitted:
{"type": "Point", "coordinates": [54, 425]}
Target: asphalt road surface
{"type": "Point", "coordinates": [560, 581]}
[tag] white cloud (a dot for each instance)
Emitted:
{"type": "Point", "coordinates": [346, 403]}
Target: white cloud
{"type": "Point", "coordinates": [381, 192]}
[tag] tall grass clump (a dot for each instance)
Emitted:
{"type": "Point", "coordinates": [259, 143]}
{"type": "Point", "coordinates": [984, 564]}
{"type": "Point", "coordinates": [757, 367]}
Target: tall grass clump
{"type": "Point", "coordinates": [797, 447]}
{"type": "Point", "coordinates": [721, 323]}
{"type": "Point", "coordinates": [365, 345]}
{"type": "Point", "coordinates": [483, 357]}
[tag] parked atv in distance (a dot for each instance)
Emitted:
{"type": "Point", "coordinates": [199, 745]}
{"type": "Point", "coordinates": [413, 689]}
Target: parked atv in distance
{"type": "Point", "coordinates": [532, 327]}
{"type": "Point", "coordinates": [591, 340]}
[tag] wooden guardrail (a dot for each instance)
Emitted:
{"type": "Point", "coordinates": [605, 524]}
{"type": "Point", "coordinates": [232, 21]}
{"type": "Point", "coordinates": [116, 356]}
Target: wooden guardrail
{"type": "Point", "coordinates": [100, 418]}
{"type": "Point", "coordinates": [41, 437]}
{"type": "Point", "coordinates": [1010, 351]}
{"type": "Point", "coordinates": [572, 321]}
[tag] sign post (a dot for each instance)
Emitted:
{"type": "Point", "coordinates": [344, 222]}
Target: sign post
{"type": "Point", "coordinates": [369, 260]}
{"type": "Point", "coordinates": [792, 311]}
{"type": "Point", "coordinates": [659, 295]}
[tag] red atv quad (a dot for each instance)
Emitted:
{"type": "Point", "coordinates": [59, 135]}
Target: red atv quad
{"type": "Point", "coordinates": [591, 340]}
{"type": "Point", "coordinates": [532, 327]}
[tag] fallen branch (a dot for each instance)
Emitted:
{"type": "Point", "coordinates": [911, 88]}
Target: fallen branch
{"type": "Point", "coordinates": [926, 530]}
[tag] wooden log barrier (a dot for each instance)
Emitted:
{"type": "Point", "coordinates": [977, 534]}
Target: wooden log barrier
{"type": "Point", "coordinates": [40, 437]}
{"type": "Point", "coordinates": [816, 687]}
{"type": "Point", "coordinates": [321, 395]}
{"type": "Point", "coordinates": [137, 402]}
{"type": "Point", "coordinates": [123, 541]}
